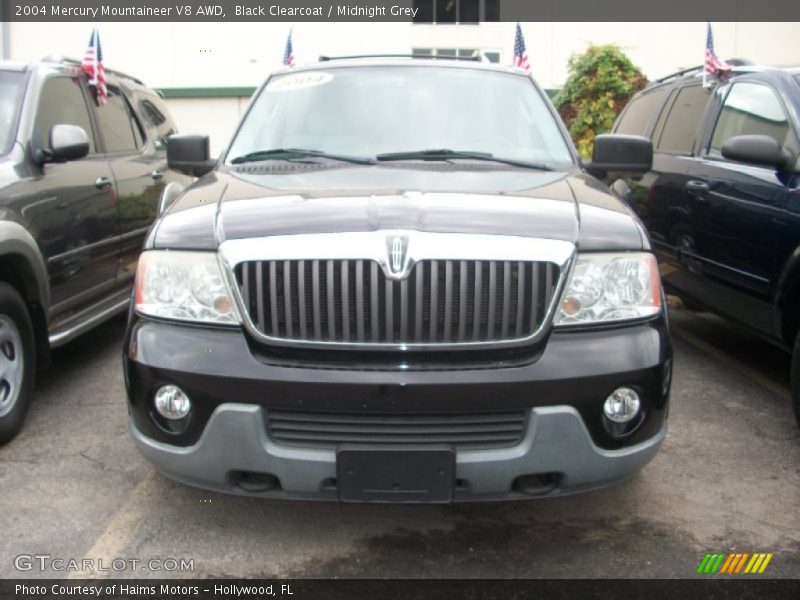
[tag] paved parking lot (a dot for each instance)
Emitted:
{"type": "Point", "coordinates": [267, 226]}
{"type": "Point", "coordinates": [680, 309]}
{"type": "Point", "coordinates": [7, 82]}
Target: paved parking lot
{"type": "Point", "coordinates": [727, 479]}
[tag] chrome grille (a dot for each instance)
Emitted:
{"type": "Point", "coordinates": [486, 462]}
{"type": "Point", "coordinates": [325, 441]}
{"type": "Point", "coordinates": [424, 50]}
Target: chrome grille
{"type": "Point", "coordinates": [328, 430]}
{"type": "Point", "coordinates": [439, 302]}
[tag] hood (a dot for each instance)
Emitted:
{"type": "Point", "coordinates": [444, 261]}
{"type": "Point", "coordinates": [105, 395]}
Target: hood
{"type": "Point", "coordinates": [262, 200]}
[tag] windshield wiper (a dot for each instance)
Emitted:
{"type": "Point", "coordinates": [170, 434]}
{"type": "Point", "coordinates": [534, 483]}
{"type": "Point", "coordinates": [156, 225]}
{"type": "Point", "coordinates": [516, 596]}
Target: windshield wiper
{"type": "Point", "coordinates": [446, 154]}
{"type": "Point", "coordinates": [295, 153]}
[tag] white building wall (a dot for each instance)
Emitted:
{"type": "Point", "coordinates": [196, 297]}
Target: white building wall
{"type": "Point", "coordinates": [209, 55]}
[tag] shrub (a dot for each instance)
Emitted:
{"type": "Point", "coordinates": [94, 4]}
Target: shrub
{"type": "Point", "coordinates": [600, 83]}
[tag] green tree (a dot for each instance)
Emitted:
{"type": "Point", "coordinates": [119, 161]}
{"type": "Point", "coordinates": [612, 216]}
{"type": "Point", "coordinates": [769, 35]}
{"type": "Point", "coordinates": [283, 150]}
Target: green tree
{"type": "Point", "coordinates": [600, 83]}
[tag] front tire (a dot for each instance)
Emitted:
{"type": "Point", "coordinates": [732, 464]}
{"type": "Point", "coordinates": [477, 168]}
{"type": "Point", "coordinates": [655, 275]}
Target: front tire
{"type": "Point", "coordinates": [17, 362]}
{"type": "Point", "coordinates": [796, 379]}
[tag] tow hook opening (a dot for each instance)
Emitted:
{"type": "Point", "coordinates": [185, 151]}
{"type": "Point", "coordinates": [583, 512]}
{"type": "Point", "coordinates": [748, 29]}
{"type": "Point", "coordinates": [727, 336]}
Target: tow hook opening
{"type": "Point", "coordinates": [538, 484]}
{"type": "Point", "coordinates": [250, 481]}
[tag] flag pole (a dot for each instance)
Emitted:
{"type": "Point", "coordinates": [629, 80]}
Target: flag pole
{"type": "Point", "coordinates": [705, 71]}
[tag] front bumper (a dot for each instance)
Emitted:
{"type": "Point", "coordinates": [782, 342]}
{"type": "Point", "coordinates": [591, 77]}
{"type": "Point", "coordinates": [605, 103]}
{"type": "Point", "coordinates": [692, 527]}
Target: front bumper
{"type": "Point", "coordinates": [562, 391]}
{"type": "Point", "coordinates": [556, 441]}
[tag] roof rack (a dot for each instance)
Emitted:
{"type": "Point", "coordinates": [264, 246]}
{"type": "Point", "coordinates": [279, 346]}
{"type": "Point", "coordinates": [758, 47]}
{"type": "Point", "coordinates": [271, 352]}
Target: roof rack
{"type": "Point", "coordinates": [741, 64]}
{"type": "Point", "coordinates": [422, 56]}
{"type": "Point", "coordinates": [677, 74]}
{"type": "Point", "coordinates": [76, 63]}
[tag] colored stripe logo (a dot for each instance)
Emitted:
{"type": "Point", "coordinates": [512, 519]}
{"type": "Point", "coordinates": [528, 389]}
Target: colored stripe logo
{"type": "Point", "coordinates": [734, 564]}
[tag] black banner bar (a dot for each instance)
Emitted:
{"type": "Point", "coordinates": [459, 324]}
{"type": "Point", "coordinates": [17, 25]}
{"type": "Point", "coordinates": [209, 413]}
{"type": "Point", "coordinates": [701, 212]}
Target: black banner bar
{"type": "Point", "coordinates": [708, 588]}
{"type": "Point", "coordinates": [395, 10]}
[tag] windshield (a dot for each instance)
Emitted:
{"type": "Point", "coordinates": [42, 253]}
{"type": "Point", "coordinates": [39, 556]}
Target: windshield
{"type": "Point", "coordinates": [11, 89]}
{"type": "Point", "coordinates": [371, 111]}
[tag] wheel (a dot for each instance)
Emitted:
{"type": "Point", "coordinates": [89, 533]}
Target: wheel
{"type": "Point", "coordinates": [17, 362]}
{"type": "Point", "coordinates": [796, 379]}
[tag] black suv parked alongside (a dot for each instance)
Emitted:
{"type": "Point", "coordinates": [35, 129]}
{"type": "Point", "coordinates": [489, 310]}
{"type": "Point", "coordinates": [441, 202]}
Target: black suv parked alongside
{"type": "Point", "coordinates": [79, 188]}
{"type": "Point", "coordinates": [398, 284]}
{"type": "Point", "coordinates": [721, 202]}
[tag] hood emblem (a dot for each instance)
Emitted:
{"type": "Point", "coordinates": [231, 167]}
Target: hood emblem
{"type": "Point", "coordinates": [397, 249]}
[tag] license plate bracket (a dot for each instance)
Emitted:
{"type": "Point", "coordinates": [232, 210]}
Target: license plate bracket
{"type": "Point", "coordinates": [406, 475]}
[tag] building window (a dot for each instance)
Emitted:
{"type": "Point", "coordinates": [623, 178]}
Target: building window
{"type": "Point", "coordinates": [490, 55]}
{"type": "Point", "coordinates": [456, 11]}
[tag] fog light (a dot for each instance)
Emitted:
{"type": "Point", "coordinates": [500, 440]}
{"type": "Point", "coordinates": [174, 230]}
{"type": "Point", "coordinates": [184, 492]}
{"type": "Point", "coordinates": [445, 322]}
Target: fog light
{"type": "Point", "coordinates": [172, 403]}
{"type": "Point", "coordinates": [622, 405]}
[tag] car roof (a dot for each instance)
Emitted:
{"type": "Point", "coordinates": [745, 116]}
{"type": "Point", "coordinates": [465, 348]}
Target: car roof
{"type": "Point", "coordinates": [58, 63]}
{"type": "Point", "coordinates": [402, 61]}
{"type": "Point", "coordinates": [696, 74]}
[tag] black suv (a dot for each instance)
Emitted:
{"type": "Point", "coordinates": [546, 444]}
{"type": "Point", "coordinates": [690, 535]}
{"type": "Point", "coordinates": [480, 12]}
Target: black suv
{"type": "Point", "coordinates": [398, 284]}
{"type": "Point", "coordinates": [721, 202]}
{"type": "Point", "coordinates": [79, 188]}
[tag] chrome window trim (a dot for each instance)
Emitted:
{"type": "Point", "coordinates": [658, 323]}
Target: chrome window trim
{"type": "Point", "coordinates": [372, 246]}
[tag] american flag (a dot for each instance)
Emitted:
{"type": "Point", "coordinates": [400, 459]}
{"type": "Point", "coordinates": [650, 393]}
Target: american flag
{"type": "Point", "coordinates": [712, 65]}
{"type": "Point", "coordinates": [92, 65]}
{"type": "Point", "coordinates": [520, 54]}
{"type": "Point", "coordinates": [288, 52]}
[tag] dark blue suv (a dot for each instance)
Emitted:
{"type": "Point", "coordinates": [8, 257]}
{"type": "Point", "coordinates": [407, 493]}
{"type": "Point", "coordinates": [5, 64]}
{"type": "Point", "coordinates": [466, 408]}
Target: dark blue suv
{"type": "Point", "coordinates": [721, 202]}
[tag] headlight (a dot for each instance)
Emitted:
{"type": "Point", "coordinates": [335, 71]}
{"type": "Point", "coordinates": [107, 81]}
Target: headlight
{"type": "Point", "coordinates": [611, 287]}
{"type": "Point", "coordinates": [187, 286]}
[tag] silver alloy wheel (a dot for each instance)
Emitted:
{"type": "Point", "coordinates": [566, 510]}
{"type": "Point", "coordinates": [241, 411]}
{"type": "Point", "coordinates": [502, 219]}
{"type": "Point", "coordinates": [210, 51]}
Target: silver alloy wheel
{"type": "Point", "coordinates": [12, 368]}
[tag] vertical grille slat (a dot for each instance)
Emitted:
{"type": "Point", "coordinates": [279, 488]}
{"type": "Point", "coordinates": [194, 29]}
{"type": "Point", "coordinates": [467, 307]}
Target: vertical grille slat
{"type": "Point", "coordinates": [273, 297]}
{"type": "Point", "coordinates": [301, 298]}
{"type": "Point", "coordinates": [404, 310]}
{"type": "Point", "coordinates": [389, 310]}
{"type": "Point", "coordinates": [418, 308]}
{"type": "Point", "coordinates": [476, 313]}
{"type": "Point", "coordinates": [331, 305]}
{"type": "Point", "coordinates": [506, 299]}
{"type": "Point", "coordinates": [316, 307]}
{"type": "Point", "coordinates": [534, 293]}
{"type": "Point", "coordinates": [360, 318]}
{"type": "Point", "coordinates": [462, 301]}
{"type": "Point", "coordinates": [520, 297]}
{"type": "Point", "coordinates": [287, 298]}
{"type": "Point", "coordinates": [433, 320]}
{"type": "Point", "coordinates": [345, 267]}
{"type": "Point", "coordinates": [492, 300]}
{"type": "Point", "coordinates": [438, 302]}
{"type": "Point", "coordinates": [246, 287]}
{"type": "Point", "coordinates": [374, 314]}
{"type": "Point", "coordinates": [260, 296]}
{"type": "Point", "coordinates": [448, 299]}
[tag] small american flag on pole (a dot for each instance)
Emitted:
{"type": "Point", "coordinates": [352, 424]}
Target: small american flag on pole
{"type": "Point", "coordinates": [92, 65]}
{"type": "Point", "coordinates": [712, 66]}
{"type": "Point", "coordinates": [520, 53]}
{"type": "Point", "coordinates": [288, 52]}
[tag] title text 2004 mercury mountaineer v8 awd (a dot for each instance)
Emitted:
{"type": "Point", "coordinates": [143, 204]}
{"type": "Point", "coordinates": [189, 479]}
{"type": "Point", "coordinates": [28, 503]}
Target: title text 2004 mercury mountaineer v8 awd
{"type": "Point", "coordinates": [398, 284]}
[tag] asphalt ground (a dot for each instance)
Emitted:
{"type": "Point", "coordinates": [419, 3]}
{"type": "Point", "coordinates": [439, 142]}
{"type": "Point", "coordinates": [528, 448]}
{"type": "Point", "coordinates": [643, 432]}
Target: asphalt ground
{"type": "Point", "coordinates": [72, 486]}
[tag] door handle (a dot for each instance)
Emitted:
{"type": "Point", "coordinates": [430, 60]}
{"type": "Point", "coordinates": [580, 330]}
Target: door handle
{"type": "Point", "coordinates": [157, 174]}
{"type": "Point", "coordinates": [697, 187]}
{"type": "Point", "coordinates": [102, 183]}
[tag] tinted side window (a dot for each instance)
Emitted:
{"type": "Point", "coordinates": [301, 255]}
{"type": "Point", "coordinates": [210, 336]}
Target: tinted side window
{"type": "Point", "coordinates": [12, 90]}
{"type": "Point", "coordinates": [636, 116]}
{"type": "Point", "coordinates": [117, 123]}
{"type": "Point", "coordinates": [62, 102]}
{"type": "Point", "coordinates": [750, 108]}
{"type": "Point", "coordinates": [157, 117]}
{"type": "Point", "coordinates": [680, 127]}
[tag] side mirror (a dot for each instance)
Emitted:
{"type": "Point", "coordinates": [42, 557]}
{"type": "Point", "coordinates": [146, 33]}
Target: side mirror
{"type": "Point", "coordinates": [189, 154]}
{"type": "Point", "coordinates": [620, 153]}
{"type": "Point", "coordinates": [67, 142]}
{"type": "Point", "coordinates": [757, 150]}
